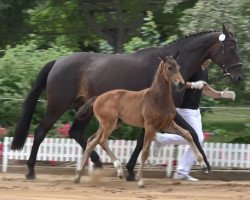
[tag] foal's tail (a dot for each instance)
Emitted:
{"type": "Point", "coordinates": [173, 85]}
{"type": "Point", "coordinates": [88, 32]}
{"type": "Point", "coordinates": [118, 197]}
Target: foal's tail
{"type": "Point", "coordinates": [86, 110]}
{"type": "Point", "coordinates": [22, 127]}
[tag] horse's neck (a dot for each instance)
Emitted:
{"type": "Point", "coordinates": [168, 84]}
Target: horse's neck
{"type": "Point", "coordinates": [193, 52]}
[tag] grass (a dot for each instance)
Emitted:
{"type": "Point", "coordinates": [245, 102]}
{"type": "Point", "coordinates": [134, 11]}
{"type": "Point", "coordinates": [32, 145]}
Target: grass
{"type": "Point", "coordinates": [227, 124]}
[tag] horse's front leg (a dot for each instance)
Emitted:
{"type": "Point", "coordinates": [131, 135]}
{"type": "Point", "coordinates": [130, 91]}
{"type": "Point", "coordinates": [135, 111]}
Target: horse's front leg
{"type": "Point", "coordinates": [187, 136]}
{"type": "Point", "coordinates": [148, 138]}
{"type": "Point", "coordinates": [132, 161]}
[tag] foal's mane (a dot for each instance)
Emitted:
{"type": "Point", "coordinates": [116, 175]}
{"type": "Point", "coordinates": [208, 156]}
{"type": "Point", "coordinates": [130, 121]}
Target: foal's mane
{"type": "Point", "coordinates": [158, 77]}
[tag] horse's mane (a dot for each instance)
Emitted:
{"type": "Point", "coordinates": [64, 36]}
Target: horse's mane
{"type": "Point", "coordinates": [184, 37]}
{"type": "Point", "coordinates": [191, 35]}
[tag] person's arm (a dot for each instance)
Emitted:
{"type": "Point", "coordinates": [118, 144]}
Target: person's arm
{"type": "Point", "coordinates": [209, 91]}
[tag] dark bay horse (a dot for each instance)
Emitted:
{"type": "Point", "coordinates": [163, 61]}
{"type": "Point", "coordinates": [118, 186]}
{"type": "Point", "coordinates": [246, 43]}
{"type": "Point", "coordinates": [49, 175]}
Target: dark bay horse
{"type": "Point", "coordinates": [152, 108]}
{"type": "Point", "coordinates": [73, 79]}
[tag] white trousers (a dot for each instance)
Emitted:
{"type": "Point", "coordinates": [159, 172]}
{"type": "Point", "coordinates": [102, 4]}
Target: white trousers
{"type": "Point", "coordinates": [193, 118]}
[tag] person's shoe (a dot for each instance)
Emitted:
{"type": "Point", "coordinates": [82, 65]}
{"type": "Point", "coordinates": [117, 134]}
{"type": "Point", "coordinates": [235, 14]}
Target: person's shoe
{"type": "Point", "coordinates": [178, 176]}
{"type": "Point", "coordinates": [157, 146]}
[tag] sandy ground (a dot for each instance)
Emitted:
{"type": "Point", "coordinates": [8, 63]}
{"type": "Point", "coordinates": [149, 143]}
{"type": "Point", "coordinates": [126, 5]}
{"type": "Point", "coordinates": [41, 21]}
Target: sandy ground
{"type": "Point", "coordinates": [55, 187]}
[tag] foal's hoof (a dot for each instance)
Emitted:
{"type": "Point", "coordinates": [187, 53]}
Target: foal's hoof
{"type": "Point", "coordinates": [30, 176]}
{"type": "Point", "coordinates": [141, 184]}
{"type": "Point", "coordinates": [120, 175]}
{"type": "Point", "coordinates": [77, 180]}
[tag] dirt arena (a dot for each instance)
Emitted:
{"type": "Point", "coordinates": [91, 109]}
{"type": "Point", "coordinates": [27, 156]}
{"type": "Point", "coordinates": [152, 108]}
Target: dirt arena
{"type": "Point", "coordinates": [13, 186]}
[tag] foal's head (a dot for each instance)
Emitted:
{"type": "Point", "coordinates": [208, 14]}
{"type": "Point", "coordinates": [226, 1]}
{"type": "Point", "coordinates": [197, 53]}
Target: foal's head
{"type": "Point", "coordinates": [171, 70]}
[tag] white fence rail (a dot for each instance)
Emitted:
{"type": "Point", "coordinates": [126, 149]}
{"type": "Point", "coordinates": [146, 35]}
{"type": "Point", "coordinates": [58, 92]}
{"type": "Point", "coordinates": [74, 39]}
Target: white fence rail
{"type": "Point", "coordinates": [221, 155]}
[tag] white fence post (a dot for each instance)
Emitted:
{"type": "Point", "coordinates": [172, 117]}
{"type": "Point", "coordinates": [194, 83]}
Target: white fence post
{"type": "Point", "coordinates": [5, 154]}
{"type": "Point", "coordinates": [61, 149]}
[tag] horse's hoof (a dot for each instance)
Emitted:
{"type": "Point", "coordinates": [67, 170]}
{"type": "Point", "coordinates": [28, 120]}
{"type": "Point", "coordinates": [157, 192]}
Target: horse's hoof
{"type": "Point", "coordinates": [30, 176]}
{"type": "Point", "coordinates": [130, 177]}
{"type": "Point", "coordinates": [98, 165]}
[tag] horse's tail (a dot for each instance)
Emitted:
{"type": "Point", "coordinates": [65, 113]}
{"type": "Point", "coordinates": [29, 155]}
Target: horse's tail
{"type": "Point", "coordinates": [22, 127]}
{"type": "Point", "coordinates": [86, 110]}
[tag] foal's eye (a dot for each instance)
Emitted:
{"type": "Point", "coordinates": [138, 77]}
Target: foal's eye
{"type": "Point", "coordinates": [169, 68]}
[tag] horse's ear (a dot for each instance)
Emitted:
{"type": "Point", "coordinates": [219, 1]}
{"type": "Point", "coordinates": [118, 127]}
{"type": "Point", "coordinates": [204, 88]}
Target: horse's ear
{"type": "Point", "coordinates": [225, 30]}
{"type": "Point", "coordinates": [176, 55]}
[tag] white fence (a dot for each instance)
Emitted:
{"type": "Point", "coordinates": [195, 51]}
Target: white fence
{"type": "Point", "coordinates": [220, 155]}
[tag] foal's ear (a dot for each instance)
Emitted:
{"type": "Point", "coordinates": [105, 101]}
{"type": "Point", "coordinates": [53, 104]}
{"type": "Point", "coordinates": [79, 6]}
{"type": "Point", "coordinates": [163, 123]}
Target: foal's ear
{"type": "Point", "coordinates": [176, 55]}
{"type": "Point", "coordinates": [161, 57]}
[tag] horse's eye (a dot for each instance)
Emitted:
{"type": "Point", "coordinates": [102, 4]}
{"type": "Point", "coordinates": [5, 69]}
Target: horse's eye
{"type": "Point", "coordinates": [169, 68]}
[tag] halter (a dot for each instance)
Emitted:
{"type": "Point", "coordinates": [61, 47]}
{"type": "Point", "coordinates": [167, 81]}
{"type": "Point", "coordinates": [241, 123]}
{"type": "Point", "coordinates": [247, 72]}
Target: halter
{"type": "Point", "coordinates": [225, 68]}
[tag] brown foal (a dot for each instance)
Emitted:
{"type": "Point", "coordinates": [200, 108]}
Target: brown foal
{"type": "Point", "coordinates": [151, 108]}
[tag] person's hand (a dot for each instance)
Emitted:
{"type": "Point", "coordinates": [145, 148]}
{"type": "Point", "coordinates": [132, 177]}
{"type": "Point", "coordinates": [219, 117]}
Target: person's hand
{"type": "Point", "coordinates": [227, 94]}
{"type": "Point", "coordinates": [198, 84]}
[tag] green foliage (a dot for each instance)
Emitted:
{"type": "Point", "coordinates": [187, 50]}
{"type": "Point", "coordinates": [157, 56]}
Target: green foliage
{"type": "Point", "coordinates": [18, 69]}
{"type": "Point", "coordinates": [244, 140]}
{"type": "Point", "coordinates": [13, 20]}
{"type": "Point", "coordinates": [148, 36]}
{"type": "Point", "coordinates": [227, 124]}
{"type": "Point", "coordinates": [211, 14]}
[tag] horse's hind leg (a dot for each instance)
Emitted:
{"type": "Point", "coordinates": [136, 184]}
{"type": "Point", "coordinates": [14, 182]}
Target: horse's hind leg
{"type": "Point", "coordinates": [40, 133]}
{"type": "Point", "coordinates": [186, 135]}
{"type": "Point", "coordinates": [132, 161]}
{"type": "Point", "coordinates": [91, 144]}
{"type": "Point", "coordinates": [76, 132]}
{"type": "Point", "coordinates": [180, 121]}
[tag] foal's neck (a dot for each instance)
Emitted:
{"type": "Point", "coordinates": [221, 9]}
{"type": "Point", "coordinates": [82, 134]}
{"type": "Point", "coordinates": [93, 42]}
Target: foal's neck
{"type": "Point", "coordinates": [161, 88]}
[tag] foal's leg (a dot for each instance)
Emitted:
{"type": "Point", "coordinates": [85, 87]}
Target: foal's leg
{"type": "Point", "coordinates": [91, 144]}
{"type": "Point", "coordinates": [112, 156]}
{"type": "Point", "coordinates": [186, 135]}
{"type": "Point", "coordinates": [148, 137]}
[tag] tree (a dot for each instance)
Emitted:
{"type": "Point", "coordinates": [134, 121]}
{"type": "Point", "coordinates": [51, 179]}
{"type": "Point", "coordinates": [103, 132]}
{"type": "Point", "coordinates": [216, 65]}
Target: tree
{"type": "Point", "coordinates": [13, 15]}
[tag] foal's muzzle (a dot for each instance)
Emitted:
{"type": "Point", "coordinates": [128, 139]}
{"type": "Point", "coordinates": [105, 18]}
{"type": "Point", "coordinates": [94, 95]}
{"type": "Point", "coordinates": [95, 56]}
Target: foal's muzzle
{"type": "Point", "coordinates": [179, 85]}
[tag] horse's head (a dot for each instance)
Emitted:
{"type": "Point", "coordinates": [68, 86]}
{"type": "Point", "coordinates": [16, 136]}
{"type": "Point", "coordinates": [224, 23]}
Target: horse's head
{"type": "Point", "coordinates": [225, 54]}
{"type": "Point", "coordinates": [171, 70]}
